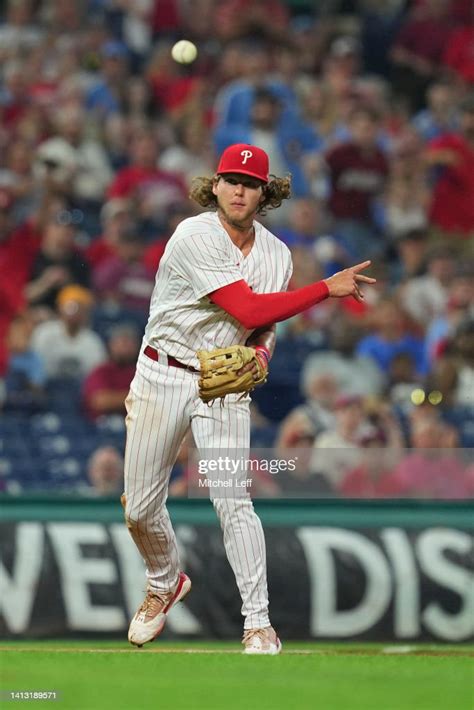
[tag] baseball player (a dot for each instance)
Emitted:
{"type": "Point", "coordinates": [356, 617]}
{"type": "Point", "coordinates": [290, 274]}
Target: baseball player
{"type": "Point", "coordinates": [221, 284]}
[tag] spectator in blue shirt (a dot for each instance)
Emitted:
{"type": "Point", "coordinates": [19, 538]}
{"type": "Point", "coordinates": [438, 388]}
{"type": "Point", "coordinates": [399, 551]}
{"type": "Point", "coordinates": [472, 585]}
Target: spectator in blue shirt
{"type": "Point", "coordinates": [234, 102]}
{"type": "Point", "coordinates": [25, 377]}
{"type": "Point", "coordinates": [105, 97]}
{"type": "Point", "coordinates": [391, 339]}
{"type": "Point", "coordinates": [439, 117]}
{"type": "Point", "coordinates": [284, 136]}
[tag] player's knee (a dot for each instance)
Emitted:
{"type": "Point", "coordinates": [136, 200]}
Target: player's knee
{"type": "Point", "coordinates": [129, 521]}
{"type": "Point", "coordinates": [228, 508]}
{"type": "Point", "coordinates": [142, 520]}
{"type": "Point", "coordinates": [134, 518]}
{"type": "Point", "coordinates": [135, 523]}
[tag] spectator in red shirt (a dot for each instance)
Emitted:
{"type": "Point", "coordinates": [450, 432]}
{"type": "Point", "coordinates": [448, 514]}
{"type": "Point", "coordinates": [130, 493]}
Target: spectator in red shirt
{"type": "Point", "coordinates": [372, 477]}
{"type": "Point", "coordinates": [459, 54]}
{"type": "Point", "coordinates": [177, 91]}
{"type": "Point", "coordinates": [106, 387]}
{"type": "Point", "coordinates": [18, 248]}
{"type": "Point", "coordinates": [165, 17]}
{"type": "Point", "coordinates": [124, 279]}
{"type": "Point", "coordinates": [153, 190]}
{"type": "Point", "coordinates": [357, 172]}
{"type": "Point", "coordinates": [433, 469]}
{"type": "Point", "coordinates": [382, 447]}
{"type": "Point", "coordinates": [452, 207]}
{"type": "Point", "coordinates": [418, 50]}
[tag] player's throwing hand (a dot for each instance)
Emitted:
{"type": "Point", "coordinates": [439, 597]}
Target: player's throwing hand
{"type": "Point", "coordinates": [346, 283]}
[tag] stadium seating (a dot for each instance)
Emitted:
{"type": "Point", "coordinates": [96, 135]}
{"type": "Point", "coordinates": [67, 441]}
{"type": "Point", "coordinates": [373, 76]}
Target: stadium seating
{"type": "Point", "coordinates": [51, 450]}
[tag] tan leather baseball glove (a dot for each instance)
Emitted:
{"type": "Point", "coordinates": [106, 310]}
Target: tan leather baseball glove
{"type": "Point", "coordinates": [220, 371]}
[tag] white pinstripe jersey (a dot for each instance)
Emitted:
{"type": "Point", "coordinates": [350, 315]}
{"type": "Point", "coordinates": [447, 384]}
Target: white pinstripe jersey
{"type": "Point", "coordinates": [199, 258]}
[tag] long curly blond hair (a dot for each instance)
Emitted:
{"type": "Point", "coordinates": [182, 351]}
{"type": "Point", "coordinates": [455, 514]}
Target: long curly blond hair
{"type": "Point", "coordinates": [274, 192]}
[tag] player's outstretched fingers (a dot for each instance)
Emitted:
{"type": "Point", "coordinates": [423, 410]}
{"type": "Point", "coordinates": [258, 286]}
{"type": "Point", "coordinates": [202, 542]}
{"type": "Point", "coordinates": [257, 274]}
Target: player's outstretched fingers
{"type": "Point", "coordinates": [360, 267]}
{"type": "Point", "coordinates": [365, 279]}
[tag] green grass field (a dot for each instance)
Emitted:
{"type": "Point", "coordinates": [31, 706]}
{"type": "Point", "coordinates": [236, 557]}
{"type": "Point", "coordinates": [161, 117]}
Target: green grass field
{"type": "Point", "coordinates": [215, 676]}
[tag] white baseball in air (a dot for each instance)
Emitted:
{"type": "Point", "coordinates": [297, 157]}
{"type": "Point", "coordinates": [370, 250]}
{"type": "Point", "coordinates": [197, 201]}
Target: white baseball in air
{"type": "Point", "coordinates": [184, 51]}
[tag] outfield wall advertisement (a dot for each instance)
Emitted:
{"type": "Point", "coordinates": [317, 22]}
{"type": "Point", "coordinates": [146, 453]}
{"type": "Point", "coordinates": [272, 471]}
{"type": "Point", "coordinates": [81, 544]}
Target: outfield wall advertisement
{"type": "Point", "coordinates": [386, 582]}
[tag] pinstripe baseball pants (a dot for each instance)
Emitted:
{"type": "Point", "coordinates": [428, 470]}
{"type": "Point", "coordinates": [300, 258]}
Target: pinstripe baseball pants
{"type": "Point", "coordinates": [162, 405]}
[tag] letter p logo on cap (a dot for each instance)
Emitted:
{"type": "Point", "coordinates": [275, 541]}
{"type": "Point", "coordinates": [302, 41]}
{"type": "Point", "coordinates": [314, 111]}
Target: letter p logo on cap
{"type": "Point", "coordinates": [244, 159]}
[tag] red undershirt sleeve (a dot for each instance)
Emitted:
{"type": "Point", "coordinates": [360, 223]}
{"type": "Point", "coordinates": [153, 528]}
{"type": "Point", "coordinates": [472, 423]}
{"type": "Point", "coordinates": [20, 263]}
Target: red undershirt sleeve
{"type": "Point", "coordinates": [253, 310]}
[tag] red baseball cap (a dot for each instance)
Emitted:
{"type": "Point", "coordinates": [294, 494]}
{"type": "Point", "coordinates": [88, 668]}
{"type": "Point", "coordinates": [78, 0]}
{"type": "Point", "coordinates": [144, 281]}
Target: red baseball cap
{"type": "Point", "coordinates": [244, 159]}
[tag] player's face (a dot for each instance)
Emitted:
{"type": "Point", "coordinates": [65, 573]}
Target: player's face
{"type": "Point", "coordinates": [238, 197]}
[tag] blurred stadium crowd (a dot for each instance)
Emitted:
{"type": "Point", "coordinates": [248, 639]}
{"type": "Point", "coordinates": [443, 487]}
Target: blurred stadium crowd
{"type": "Point", "coordinates": [369, 105]}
